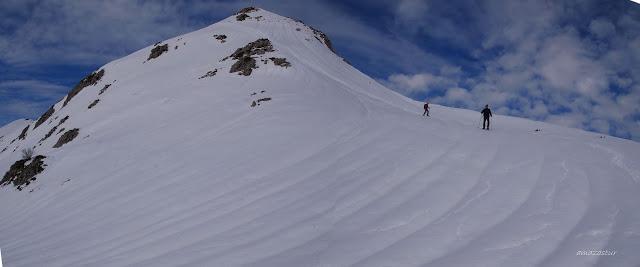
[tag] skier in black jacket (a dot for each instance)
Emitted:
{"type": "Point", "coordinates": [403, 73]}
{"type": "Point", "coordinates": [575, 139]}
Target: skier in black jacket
{"type": "Point", "coordinates": [486, 114]}
{"type": "Point", "coordinates": [426, 108]}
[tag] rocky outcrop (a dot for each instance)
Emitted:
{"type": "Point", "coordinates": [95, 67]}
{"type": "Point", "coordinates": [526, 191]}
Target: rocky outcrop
{"type": "Point", "coordinates": [91, 79]}
{"type": "Point", "coordinates": [23, 134]}
{"type": "Point", "coordinates": [23, 171]}
{"type": "Point", "coordinates": [44, 117]}
{"type": "Point", "coordinates": [157, 51]}
{"type": "Point", "coordinates": [94, 103]}
{"type": "Point", "coordinates": [325, 39]}
{"type": "Point", "coordinates": [247, 10]}
{"type": "Point", "coordinates": [46, 136]}
{"type": "Point", "coordinates": [220, 37]}
{"type": "Point", "coordinates": [245, 62]}
{"type": "Point", "coordinates": [242, 17]}
{"type": "Point", "coordinates": [67, 137]}
{"type": "Point", "coordinates": [210, 73]}
{"type": "Point", "coordinates": [244, 66]}
{"type": "Point", "coordinates": [53, 130]}
{"type": "Point", "coordinates": [257, 47]}
{"type": "Point", "coordinates": [282, 62]}
{"type": "Point", "coordinates": [63, 120]}
{"type": "Point", "coordinates": [104, 89]}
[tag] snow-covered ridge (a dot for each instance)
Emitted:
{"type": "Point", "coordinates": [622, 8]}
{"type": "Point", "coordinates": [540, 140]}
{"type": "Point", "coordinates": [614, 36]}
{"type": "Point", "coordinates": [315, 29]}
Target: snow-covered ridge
{"type": "Point", "coordinates": [169, 157]}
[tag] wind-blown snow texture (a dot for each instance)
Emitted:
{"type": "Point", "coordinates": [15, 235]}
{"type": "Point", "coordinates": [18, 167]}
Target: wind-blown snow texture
{"type": "Point", "coordinates": [334, 170]}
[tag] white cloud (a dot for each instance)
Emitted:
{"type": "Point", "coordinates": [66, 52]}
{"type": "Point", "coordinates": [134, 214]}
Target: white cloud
{"type": "Point", "coordinates": [412, 83]}
{"type": "Point", "coordinates": [39, 89]}
{"type": "Point", "coordinates": [537, 63]}
{"type": "Point", "coordinates": [458, 97]}
{"type": "Point", "coordinates": [27, 98]}
{"type": "Point", "coordinates": [411, 10]}
{"type": "Point", "coordinates": [90, 32]}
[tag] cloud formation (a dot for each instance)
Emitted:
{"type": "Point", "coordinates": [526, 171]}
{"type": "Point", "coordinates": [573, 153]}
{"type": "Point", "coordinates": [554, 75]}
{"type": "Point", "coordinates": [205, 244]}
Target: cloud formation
{"type": "Point", "coordinates": [26, 98]}
{"type": "Point", "coordinates": [560, 62]}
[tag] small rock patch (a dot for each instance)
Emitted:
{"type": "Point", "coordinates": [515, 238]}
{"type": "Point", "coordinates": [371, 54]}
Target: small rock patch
{"type": "Point", "coordinates": [91, 79]}
{"type": "Point", "coordinates": [104, 89]}
{"type": "Point", "coordinates": [63, 120]}
{"type": "Point", "coordinates": [257, 102]}
{"type": "Point", "coordinates": [258, 47]}
{"type": "Point", "coordinates": [244, 66]}
{"type": "Point", "coordinates": [158, 51]}
{"type": "Point", "coordinates": [209, 74]}
{"type": "Point", "coordinates": [23, 134]}
{"type": "Point", "coordinates": [242, 17]}
{"type": "Point", "coordinates": [46, 136]}
{"type": "Point", "coordinates": [247, 10]}
{"type": "Point", "coordinates": [282, 62]}
{"type": "Point", "coordinates": [220, 37]}
{"type": "Point", "coordinates": [245, 62]}
{"type": "Point", "coordinates": [94, 103]}
{"type": "Point", "coordinates": [44, 117]}
{"type": "Point", "coordinates": [67, 137]}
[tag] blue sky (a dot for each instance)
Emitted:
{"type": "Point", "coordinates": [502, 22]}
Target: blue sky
{"type": "Point", "coordinates": [574, 63]}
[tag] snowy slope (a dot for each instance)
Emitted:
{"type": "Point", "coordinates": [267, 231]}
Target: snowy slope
{"type": "Point", "coordinates": [335, 170]}
{"type": "Point", "coordinates": [12, 129]}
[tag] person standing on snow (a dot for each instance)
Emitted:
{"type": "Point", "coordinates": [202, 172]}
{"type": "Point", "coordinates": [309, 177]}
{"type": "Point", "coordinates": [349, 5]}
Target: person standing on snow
{"type": "Point", "coordinates": [426, 108]}
{"type": "Point", "coordinates": [486, 114]}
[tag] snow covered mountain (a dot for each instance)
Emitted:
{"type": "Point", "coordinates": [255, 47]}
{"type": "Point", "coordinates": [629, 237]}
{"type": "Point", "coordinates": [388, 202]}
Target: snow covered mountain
{"type": "Point", "coordinates": [250, 142]}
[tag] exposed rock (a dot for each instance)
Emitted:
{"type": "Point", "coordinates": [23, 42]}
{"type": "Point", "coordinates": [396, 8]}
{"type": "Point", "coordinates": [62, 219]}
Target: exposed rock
{"type": "Point", "coordinates": [257, 102]}
{"type": "Point", "coordinates": [158, 50]}
{"type": "Point", "coordinates": [91, 79]}
{"type": "Point", "coordinates": [244, 66]}
{"type": "Point", "coordinates": [104, 89]}
{"type": "Point", "coordinates": [94, 103]}
{"type": "Point", "coordinates": [67, 137]}
{"type": "Point", "coordinates": [46, 136]}
{"type": "Point", "coordinates": [282, 62]}
{"type": "Point", "coordinates": [220, 37]}
{"type": "Point", "coordinates": [61, 130]}
{"type": "Point", "coordinates": [325, 39]}
{"type": "Point", "coordinates": [23, 134]}
{"type": "Point", "coordinates": [63, 120]}
{"type": "Point", "coordinates": [53, 130]}
{"type": "Point", "coordinates": [20, 174]}
{"type": "Point", "coordinates": [242, 17]}
{"type": "Point", "coordinates": [257, 47]}
{"type": "Point", "coordinates": [4, 149]}
{"type": "Point", "coordinates": [247, 10]}
{"type": "Point", "coordinates": [209, 74]}
{"type": "Point", "coordinates": [44, 117]}
{"type": "Point", "coordinates": [246, 63]}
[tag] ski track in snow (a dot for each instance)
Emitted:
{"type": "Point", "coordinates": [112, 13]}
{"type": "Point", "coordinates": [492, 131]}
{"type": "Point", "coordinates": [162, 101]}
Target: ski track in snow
{"type": "Point", "coordinates": [335, 170]}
